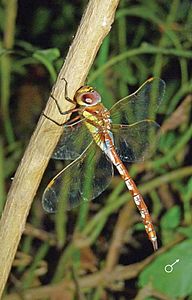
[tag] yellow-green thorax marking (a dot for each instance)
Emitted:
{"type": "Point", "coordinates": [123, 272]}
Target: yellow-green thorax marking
{"type": "Point", "coordinates": [97, 117]}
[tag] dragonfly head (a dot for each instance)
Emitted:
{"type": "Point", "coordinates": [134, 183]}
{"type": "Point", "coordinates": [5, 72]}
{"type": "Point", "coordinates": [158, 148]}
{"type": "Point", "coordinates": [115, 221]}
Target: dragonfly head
{"type": "Point", "coordinates": [87, 96]}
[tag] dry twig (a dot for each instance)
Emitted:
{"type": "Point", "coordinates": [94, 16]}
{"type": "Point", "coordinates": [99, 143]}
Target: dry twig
{"type": "Point", "coordinates": [95, 25]}
{"type": "Point", "coordinates": [125, 219]}
{"type": "Point", "coordinates": [100, 278]}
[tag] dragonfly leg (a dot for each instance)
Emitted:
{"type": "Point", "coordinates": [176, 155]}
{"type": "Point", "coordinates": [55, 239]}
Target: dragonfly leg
{"type": "Point", "coordinates": [66, 94]}
{"type": "Point", "coordinates": [59, 108]}
{"type": "Point", "coordinates": [52, 120]}
{"type": "Point", "coordinates": [72, 121]}
{"type": "Point", "coordinates": [60, 111]}
{"type": "Point", "coordinates": [63, 123]}
{"type": "Point", "coordinates": [66, 98]}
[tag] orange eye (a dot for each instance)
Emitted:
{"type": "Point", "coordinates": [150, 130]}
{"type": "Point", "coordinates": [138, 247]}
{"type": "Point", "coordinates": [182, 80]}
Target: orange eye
{"type": "Point", "coordinates": [88, 100]}
{"type": "Point", "coordinates": [91, 98]}
{"type": "Point", "coordinates": [87, 96]}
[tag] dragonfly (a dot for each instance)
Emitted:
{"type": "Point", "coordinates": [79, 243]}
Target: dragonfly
{"type": "Point", "coordinates": [98, 139]}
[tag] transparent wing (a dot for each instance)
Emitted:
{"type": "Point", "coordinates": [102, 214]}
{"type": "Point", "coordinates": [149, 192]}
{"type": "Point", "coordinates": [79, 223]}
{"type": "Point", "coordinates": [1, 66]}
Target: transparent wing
{"type": "Point", "coordinates": [140, 105]}
{"type": "Point", "coordinates": [136, 142]}
{"type": "Point", "coordinates": [73, 141]}
{"type": "Point", "coordinates": [82, 180]}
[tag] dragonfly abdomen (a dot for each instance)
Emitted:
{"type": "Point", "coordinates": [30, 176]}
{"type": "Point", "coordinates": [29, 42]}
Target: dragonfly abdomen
{"type": "Point", "coordinates": [137, 197]}
{"type": "Point", "coordinates": [140, 203]}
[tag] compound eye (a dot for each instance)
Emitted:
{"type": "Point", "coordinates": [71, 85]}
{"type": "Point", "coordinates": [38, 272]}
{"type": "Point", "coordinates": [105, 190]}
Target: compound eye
{"type": "Point", "coordinates": [88, 98]}
{"type": "Point", "coordinates": [91, 98]}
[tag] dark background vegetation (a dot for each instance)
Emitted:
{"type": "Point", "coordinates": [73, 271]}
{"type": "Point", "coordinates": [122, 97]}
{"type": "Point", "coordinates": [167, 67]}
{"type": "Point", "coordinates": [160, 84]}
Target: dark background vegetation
{"type": "Point", "coordinates": [148, 38]}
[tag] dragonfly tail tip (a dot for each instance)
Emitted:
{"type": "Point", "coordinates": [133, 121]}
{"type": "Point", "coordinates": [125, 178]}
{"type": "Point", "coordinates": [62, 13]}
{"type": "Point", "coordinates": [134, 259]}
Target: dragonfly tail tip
{"type": "Point", "coordinates": [155, 245]}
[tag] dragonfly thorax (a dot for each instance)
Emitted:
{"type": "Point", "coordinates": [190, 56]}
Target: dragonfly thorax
{"type": "Point", "coordinates": [97, 118]}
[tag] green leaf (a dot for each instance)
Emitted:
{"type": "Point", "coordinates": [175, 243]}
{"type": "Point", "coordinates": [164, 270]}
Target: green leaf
{"type": "Point", "coordinates": [178, 283]}
{"type": "Point", "coordinates": [171, 219]}
{"type": "Point", "coordinates": [46, 57]}
{"type": "Point", "coordinates": [48, 54]}
{"type": "Point", "coordinates": [4, 51]}
{"type": "Point", "coordinates": [41, 20]}
{"type": "Point", "coordinates": [187, 231]}
{"type": "Point", "coordinates": [189, 186]}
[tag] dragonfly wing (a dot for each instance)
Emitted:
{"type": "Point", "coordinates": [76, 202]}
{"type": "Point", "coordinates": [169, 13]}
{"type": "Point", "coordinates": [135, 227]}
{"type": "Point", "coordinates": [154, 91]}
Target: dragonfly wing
{"type": "Point", "coordinates": [140, 105]}
{"type": "Point", "coordinates": [62, 192]}
{"type": "Point", "coordinates": [96, 173]}
{"type": "Point", "coordinates": [73, 141]}
{"type": "Point", "coordinates": [136, 142]}
{"type": "Point", "coordinates": [82, 180]}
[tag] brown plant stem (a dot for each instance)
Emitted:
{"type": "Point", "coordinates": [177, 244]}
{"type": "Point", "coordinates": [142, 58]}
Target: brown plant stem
{"type": "Point", "coordinates": [100, 278]}
{"type": "Point", "coordinates": [6, 65]}
{"type": "Point", "coordinates": [125, 220]}
{"type": "Point", "coordinates": [95, 25]}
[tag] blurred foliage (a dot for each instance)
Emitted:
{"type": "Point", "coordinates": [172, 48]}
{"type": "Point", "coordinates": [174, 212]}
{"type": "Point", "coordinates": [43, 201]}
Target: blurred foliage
{"type": "Point", "coordinates": [148, 38]}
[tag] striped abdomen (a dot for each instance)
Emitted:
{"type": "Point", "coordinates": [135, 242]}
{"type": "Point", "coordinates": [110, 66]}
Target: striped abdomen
{"type": "Point", "coordinates": [139, 201]}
